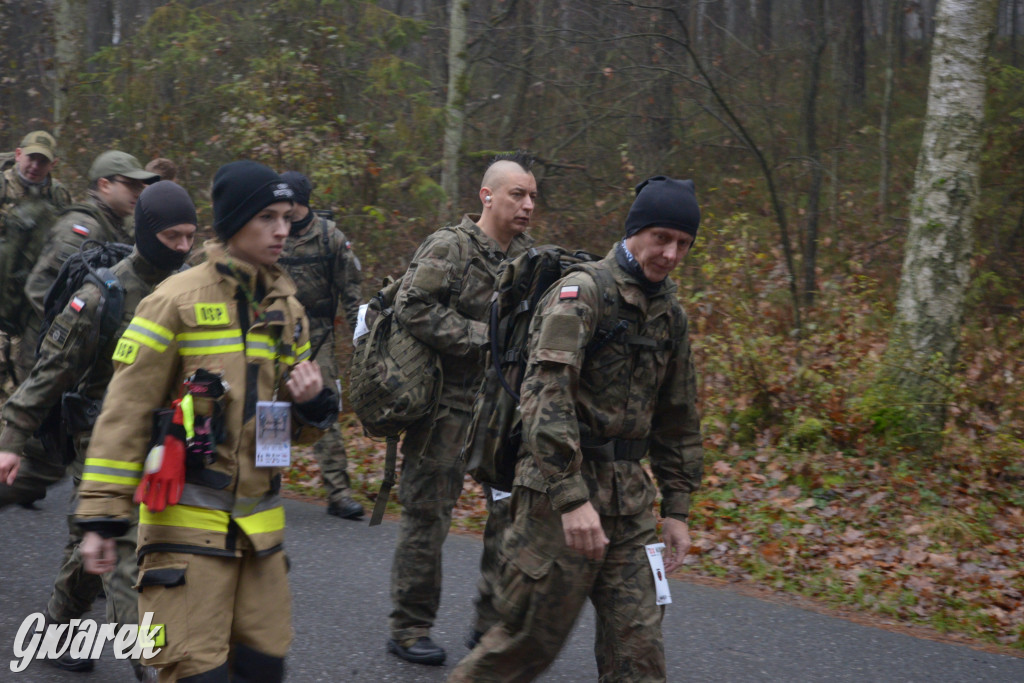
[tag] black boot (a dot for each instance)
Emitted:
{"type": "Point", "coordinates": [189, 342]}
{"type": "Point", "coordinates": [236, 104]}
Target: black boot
{"type": "Point", "coordinates": [420, 650]}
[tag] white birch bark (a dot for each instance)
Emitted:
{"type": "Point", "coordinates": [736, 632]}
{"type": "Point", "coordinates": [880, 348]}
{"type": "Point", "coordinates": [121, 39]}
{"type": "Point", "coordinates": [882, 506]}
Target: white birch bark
{"type": "Point", "coordinates": [936, 265]}
{"type": "Point", "coordinates": [455, 110]}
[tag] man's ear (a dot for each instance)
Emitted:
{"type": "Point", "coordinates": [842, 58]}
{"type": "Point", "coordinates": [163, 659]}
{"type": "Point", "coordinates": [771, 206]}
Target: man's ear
{"type": "Point", "coordinates": [485, 195]}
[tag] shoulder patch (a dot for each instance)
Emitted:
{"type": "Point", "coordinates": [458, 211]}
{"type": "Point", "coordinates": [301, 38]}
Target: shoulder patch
{"type": "Point", "coordinates": [58, 334]}
{"type": "Point", "coordinates": [80, 230]}
{"type": "Point", "coordinates": [569, 292]}
{"type": "Point", "coordinates": [126, 351]}
{"type": "Point", "coordinates": [77, 305]}
{"type": "Point", "coordinates": [212, 314]}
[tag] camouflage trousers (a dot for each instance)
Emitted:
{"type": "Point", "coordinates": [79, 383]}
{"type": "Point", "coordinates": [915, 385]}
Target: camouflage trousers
{"type": "Point", "coordinates": [498, 520]}
{"type": "Point", "coordinates": [74, 590]}
{"type": "Point", "coordinates": [542, 589]}
{"type": "Point", "coordinates": [330, 449]}
{"type": "Point", "coordinates": [431, 482]}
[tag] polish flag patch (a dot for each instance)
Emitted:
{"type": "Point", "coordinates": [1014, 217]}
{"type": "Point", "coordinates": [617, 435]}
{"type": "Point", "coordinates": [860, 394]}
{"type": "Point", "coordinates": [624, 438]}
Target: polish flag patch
{"type": "Point", "coordinates": [77, 305]}
{"type": "Point", "coordinates": [80, 230]}
{"type": "Point", "coordinates": [569, 292]}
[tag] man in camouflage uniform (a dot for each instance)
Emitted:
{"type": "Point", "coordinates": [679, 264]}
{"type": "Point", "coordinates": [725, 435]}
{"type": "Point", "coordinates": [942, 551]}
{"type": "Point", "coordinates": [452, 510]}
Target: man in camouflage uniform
{"type": "Point", "coordinates": [30, 199]}
{"type": "Point", "coordinates": [595, 400]}
{"type": "Point", "coordinates": [71, 360]}
{"type": "Point", "coordinates": [320, 259]}
{"type": "Point", "coordinates": [116, 180]}
{"type": "Point", "coordinates": [443, 301]}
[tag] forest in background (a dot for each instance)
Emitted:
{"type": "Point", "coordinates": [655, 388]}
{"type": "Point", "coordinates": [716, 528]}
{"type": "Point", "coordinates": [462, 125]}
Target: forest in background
{"type": "Point", "coordinates": [804, 162]}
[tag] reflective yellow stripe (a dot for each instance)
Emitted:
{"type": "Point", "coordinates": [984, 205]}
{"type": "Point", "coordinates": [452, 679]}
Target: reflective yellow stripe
{"type": "Point", "coordinates": [260, 346]}
{"type": "Point", "coordinates": [111, 479]}
{"type": "Point", "coordinates": [186, 516]}
{"type": "Point", "coordinates": [262, 522]}
{"type": "Point", "coordinates": [116, 464]}
{"type": "Point", "coordinates": [188, 416]}
{"type": "Point", "coordinates": [149, 333]}
{"type": "Point", "coordinates": [304, 352]}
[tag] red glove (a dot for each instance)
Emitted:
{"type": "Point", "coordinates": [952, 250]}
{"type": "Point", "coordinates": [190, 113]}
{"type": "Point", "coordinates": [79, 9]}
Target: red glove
{"type": "Point", "coordinates": [163, 476]}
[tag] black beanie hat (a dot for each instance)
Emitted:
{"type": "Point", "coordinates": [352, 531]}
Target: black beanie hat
{"type": "Point", "coordinates": [162, 205]}
{"type": "Point", "coordinates": [242, 189]}
{"type": "Point", "coordinates": [665, 203]}
{"type": "Point", "coordinates": [300, 184]}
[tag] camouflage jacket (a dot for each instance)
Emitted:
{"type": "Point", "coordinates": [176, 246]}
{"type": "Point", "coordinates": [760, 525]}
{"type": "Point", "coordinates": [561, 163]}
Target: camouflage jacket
{"type": "Point", "coordinates": [69, 232]}
{"type": "Point", "coordinates": [614, 392]}
{"type": "Point", "coordinates": [461, 257]}
{"type": "Point", "coordinates": [69, 356]}
{"type": "Point", "coordinates": [26, 214]}
{"type": "Point", "coordinates": [324, 270]}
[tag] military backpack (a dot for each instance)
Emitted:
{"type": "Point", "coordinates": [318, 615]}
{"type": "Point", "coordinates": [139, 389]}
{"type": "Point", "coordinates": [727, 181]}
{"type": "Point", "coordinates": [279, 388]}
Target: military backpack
{"type": "Point", "coordinates": [76, 413]}
{"type": "Point", "coordinates": [496, 429]}
{"type": "Point", "coordinates": [395, 379]}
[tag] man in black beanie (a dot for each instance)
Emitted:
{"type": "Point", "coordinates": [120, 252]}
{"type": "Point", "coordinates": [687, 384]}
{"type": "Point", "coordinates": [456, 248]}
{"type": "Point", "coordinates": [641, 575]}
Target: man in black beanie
{"type": "Point", "coordinates": [583, 527]}
{"type": "Point", "coordinates": [223, 349]}
{"type": "Point", "coordinates": [320, 259]}
{"type": "Point", "coordinates": [77, 359]}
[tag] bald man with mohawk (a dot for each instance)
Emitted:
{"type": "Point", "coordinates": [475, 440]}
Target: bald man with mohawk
{"type": "Point", "coordinates": [444, 302]}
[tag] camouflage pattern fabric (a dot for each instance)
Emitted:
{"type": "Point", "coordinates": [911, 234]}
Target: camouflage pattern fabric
{"type": "Point", "coordinates": [623, 390]}
{"type": "Point", "coordinates": [433, 470]}
{"type": "Point", "coordinates": [323, 274]}
{"type": "Point", "coordinates": [498, 519]}
{"type": "Point", "coordinates": [67, 235]}
{"type": "Point", "coordinates": [542, 589]}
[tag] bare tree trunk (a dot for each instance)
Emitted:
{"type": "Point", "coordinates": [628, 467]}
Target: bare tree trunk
{"type": "Point", "coordinates": [894, 25]}
{"type": "Point", "coordinates": [455, 111]}
{"type": "Point", "coordinates": [815, 17]}
{"type": "Point", "coordinates": [936, 265]}
{"type": "Point", "coordinates": [68, 17]}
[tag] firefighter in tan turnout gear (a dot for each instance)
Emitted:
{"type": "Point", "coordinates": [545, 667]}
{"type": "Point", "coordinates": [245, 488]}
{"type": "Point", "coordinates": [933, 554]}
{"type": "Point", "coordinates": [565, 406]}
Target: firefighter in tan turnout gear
{"type": "Point", "coordinates": [221, 352]}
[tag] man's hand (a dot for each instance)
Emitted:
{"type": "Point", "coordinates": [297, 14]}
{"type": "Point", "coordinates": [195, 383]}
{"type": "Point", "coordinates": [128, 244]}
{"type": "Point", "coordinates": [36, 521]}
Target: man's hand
{"type": "Point", "coordinates": [304, 381]}
{"type": "Point", "coordinates": [99, 555]}
{"type": "Point", "coordinates": [9, 464]}
{"type": "Point", "coordinates": [583, 532]}
{"type": "Point", "coordinates": [676, 536]}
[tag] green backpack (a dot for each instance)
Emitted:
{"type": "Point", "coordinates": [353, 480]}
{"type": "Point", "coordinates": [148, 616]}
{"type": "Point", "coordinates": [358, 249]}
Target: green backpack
{"type": "Point", "coordinates": [394, 378]}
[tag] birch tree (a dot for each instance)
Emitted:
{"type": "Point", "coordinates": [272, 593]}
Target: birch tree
{"type": "Point", "coordinates": [936, 265]}
{"type": "Point", "coordinates": [455, 113]}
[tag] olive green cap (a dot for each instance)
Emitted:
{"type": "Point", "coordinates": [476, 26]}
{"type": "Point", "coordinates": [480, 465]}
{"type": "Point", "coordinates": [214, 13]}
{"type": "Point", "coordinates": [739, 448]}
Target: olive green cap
{"type": "Point", "coordinates": [113, 163]}
{"type": "Point", "coordinates": [39, 142]}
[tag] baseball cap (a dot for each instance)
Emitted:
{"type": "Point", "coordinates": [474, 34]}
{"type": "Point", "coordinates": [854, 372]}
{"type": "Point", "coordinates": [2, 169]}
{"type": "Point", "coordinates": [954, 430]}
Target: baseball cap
{"type": "Point", "coordinates": [113, 162]}
{"type": "Point", "coordinates": [39, 142]}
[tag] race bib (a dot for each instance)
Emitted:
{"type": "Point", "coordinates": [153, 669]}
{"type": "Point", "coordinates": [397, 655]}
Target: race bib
{"type": "Point", "coordinates": [273, 434]}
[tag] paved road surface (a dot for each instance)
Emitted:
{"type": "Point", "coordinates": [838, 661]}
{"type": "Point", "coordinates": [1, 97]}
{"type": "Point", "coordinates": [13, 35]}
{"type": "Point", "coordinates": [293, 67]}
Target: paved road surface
{"type": "Point", "coordinates": [339, 577]}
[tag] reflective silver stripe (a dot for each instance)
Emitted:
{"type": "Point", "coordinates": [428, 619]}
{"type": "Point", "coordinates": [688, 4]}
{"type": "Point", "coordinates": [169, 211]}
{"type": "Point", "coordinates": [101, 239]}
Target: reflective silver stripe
{"type": "Point", "coordinates": [251, 344]}
{"type": "Point", "coordinates": [138, 329]}
{"type": "Point", "coordinates": [199, 343]}
{"type": "Point", "coordinates": [112, 471]}
{"type": "Point", "coordinates": [305, 355]}
{"type": "Point", "coordinates": [225, 501]}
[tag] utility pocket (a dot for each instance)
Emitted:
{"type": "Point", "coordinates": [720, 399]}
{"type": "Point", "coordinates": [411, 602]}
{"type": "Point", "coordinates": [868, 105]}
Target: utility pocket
{"type": "Point", "coordinates": [518, 581]}
{"type": "Point", "coordinates": [163, 590]}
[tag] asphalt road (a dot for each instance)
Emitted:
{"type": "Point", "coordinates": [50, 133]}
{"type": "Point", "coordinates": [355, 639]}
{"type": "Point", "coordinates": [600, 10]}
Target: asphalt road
{"type": "Point", "coordinates": [339, 578]}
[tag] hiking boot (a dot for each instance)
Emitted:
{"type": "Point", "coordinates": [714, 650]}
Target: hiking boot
{"type": "Point", "coordinates": [66, 661]}
{"type": "Point", "coordinates": [346, 508]}
{"type": "Point", "coordinates": [420, 650]}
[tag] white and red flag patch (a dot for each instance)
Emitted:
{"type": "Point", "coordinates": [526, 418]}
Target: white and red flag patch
{"type": "Point", "coordinates": [77, 305]}
{"type": "Point", "coordinates": [80, 230]}
{"type": "Point", "coordinates": [569, 292]}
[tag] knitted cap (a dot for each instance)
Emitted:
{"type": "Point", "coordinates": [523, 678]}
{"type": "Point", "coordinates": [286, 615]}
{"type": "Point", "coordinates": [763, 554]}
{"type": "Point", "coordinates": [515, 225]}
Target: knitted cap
{"type": "Point", "coordinates": [665, 203]}
{"type": "Point", "coordinates": [300, 184]}
{"type": "Point", "coordinates": [242, 189]}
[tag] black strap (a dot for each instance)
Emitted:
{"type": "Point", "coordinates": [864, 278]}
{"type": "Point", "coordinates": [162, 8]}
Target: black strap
{"type": "Point", "coordinates": [390, 464]}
